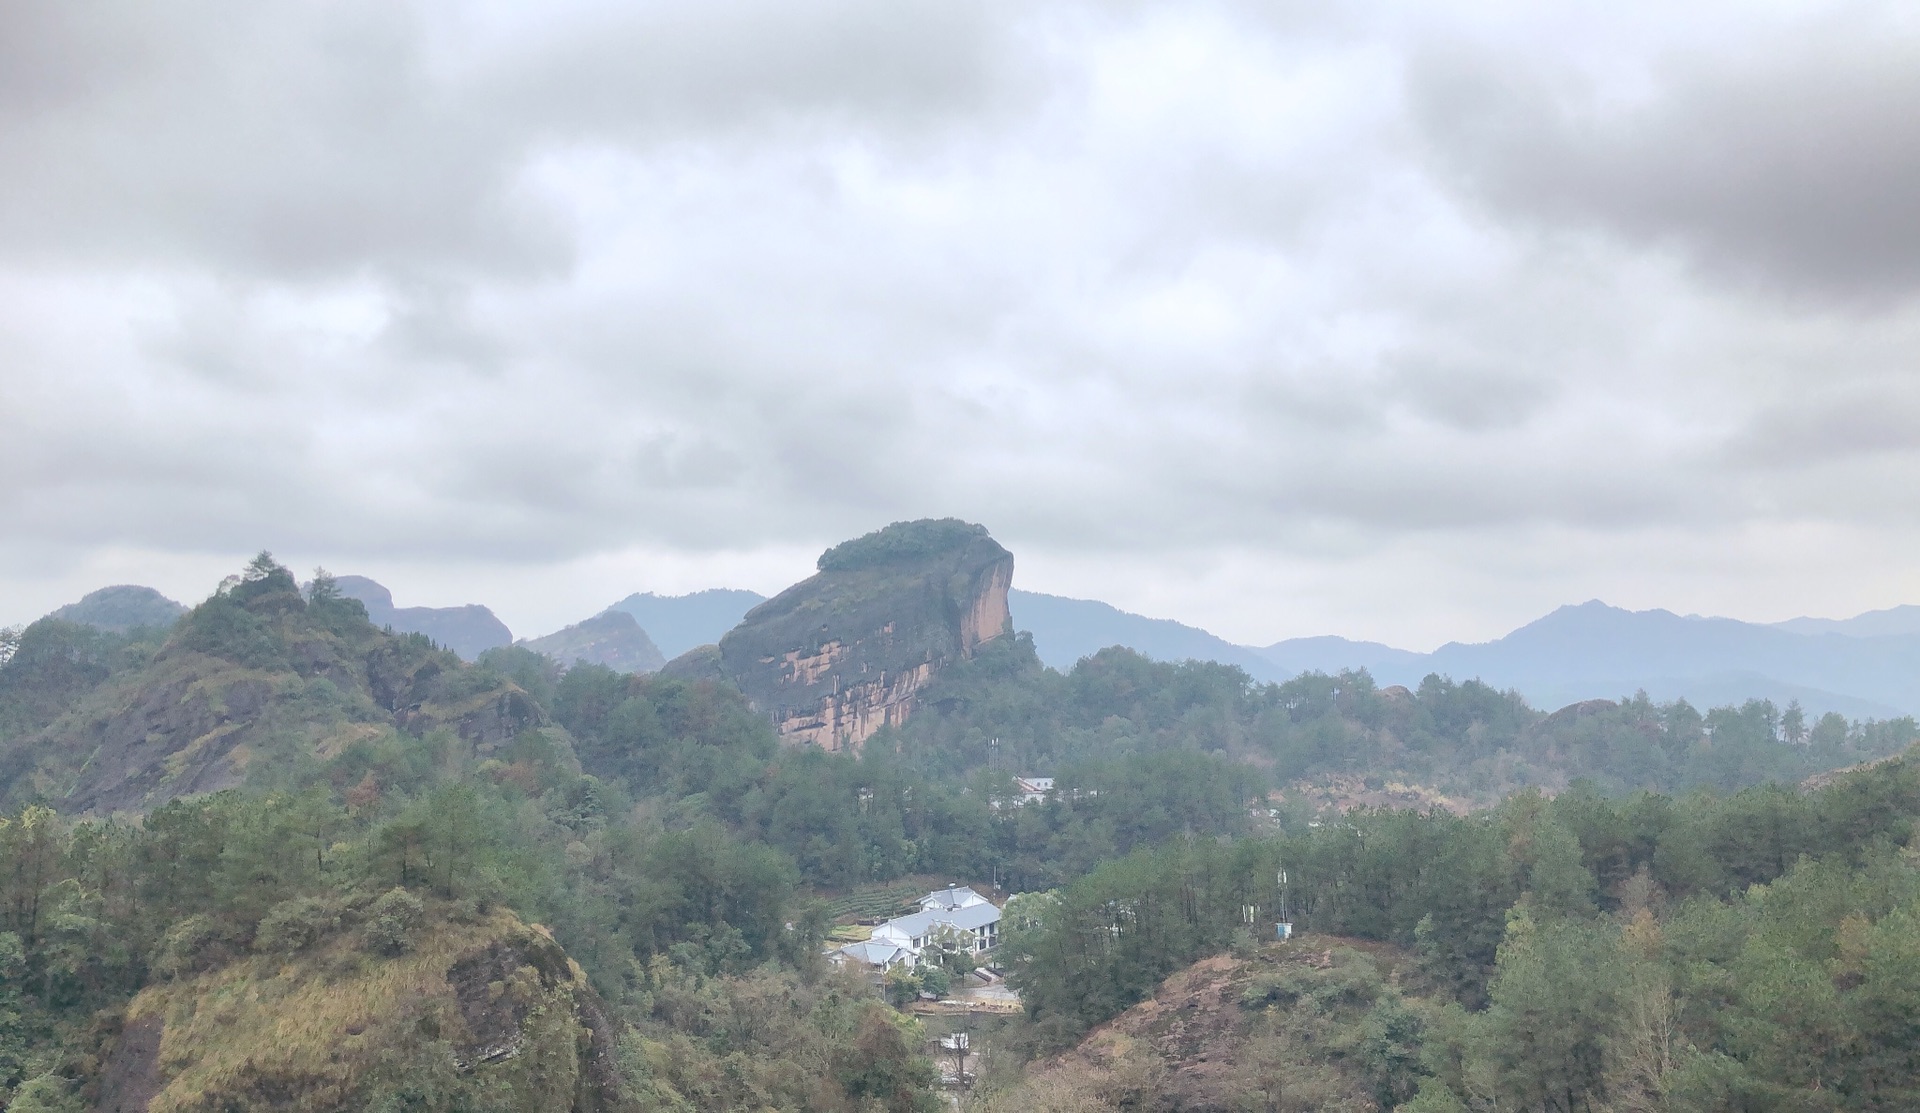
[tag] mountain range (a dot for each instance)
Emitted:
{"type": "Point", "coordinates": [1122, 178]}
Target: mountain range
{"type": "Point", "coordinates": [1867, 666]}
{"type": "Point", "coordinates": [1863, 667]}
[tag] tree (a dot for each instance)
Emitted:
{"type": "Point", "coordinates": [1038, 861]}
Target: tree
{"type": "Point", "coordinates": [1544, 1038]}
{"type": "Point", "coordinates": [1793, 723]}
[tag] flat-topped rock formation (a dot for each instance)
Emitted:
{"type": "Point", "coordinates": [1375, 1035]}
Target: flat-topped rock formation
{"type": "Point", "coordinates": [837, 656]}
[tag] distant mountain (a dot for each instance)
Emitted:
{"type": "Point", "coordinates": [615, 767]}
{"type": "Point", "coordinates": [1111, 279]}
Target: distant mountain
{"type": "Point", "coordinates": [469, 631]}
{"type": "Point", "coordinates": [1330, 654]}
{"type": "Point", "coordinates": [1867, 667]}
{"type": "Point", "coordinates": [122, 608]}
{"type": "Point", "coordinates": [677, 623]}
{"type": "Point", "coordinates": [1065, 630]}
{"type": "Point", "coordinates": [1594, 650]}
{"type": "Point", "coordinates": [1873, 624]}
{"type": "Point", "coordinates": [611, 638]}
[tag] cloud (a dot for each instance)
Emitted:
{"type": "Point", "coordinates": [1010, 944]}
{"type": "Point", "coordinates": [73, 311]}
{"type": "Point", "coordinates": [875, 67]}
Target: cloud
{"type": "Point", "coordinates": [1162, 288]}
{"type": "Point", "coordinates": [1788, 162]}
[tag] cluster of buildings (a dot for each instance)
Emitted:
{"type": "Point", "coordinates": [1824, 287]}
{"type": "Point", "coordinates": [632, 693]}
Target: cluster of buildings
{"type": "Point", "coordinates": [948, 918]}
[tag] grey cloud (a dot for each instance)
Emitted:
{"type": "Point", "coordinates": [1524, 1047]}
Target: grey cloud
{"type": "Point", "coordinates": [368, 282]}
{"type": "Point", "coordinates": [1792, 165]}
{"type": "Point", "coordinates": [309, 140]}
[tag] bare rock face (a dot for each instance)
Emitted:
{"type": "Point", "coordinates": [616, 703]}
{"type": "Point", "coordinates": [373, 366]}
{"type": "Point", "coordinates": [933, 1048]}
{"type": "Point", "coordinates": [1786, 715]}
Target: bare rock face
{"type": "Point", "coordinates": [838, 656]}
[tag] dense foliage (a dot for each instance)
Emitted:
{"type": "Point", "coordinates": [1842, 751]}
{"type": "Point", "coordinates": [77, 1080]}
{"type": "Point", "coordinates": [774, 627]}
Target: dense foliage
{"type": "Point", "coordinates": [672, 911]}
{"type": "Point", "coordinates": [1004, 708]}
{"type": "Point", "coordinates": [1757, 951]}
{"type": "Point", "coordinates": [901, 541]}
{"type": "Point", "coordinates": [1599, 946]}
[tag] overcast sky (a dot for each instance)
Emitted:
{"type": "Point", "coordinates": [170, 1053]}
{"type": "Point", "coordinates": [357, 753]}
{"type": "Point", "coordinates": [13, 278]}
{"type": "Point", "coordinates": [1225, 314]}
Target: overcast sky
{"type": "Point", "coordinates": [1399, 321]}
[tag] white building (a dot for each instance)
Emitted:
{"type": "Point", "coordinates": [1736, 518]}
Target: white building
{"type": "Point", "coordinates": [948, 917]}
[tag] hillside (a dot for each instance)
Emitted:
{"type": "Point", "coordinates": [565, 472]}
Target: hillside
{"type": "Point", "coordinates": [252, 682]}
{"type": "Point", "coordinates": [1317, 1023]}
{"type": "Point", "coordinates": [611, 638]}
{"type": "Point", "coordinates": [368, 1004]}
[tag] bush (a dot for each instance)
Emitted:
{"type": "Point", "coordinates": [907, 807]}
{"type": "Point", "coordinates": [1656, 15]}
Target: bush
{"type": "Point", "coordinates": [392, 921]}
{"type": "Point", "coordinates": [194, 944]}
{"type": "Point", "coordinates": [45, 1093]}
{"type": "Point", "coordinates": [294, 925]}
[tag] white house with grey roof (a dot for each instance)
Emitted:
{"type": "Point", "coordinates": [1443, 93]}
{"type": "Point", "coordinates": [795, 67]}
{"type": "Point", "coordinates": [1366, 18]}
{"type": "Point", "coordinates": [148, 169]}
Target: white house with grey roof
{"type": "Point", "coordinates": [954, 916]}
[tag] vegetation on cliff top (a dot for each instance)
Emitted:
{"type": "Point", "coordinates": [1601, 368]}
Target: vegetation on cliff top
{"type": "Point", "coordinates": [901, 541]}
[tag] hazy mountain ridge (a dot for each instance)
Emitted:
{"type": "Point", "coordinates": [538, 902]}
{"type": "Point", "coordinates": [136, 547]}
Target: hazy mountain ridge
{"type": "Point", "coordinates": [677, 623]}
{"type": "Point", "coordinates": [469, 630]}
{"type": "Point", "coordinates": [1579, 652]}
{"type": "Point", "coordinates": [121, 608]}
{"type": "Point", "coordinates": [611, 638]}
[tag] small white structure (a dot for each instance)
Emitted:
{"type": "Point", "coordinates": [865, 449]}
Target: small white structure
{"type": "Point", "coordinates": [953, 917]}
{"type": "Point", "coordinates": [1032, 790]}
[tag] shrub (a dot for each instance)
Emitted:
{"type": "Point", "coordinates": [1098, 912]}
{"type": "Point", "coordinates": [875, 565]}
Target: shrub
{"type": "Point", "coordinates": [392, 921]}
{"type": "Point", "coordinates": [294, 925]}
{"type": "Point", "coordinates": [194, 944]}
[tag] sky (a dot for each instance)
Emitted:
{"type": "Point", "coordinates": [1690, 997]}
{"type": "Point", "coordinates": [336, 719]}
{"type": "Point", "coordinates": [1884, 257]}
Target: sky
{"type": "Point", "coordinates": [1401, 321]}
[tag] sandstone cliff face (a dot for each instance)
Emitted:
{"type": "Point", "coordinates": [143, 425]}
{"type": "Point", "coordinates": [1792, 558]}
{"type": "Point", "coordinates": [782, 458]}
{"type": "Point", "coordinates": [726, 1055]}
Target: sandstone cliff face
{"type": "Point", "coordinates": [838, 656]}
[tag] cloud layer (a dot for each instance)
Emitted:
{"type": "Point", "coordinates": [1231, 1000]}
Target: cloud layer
{"type": "Point", "coordinates": [1399, 321]}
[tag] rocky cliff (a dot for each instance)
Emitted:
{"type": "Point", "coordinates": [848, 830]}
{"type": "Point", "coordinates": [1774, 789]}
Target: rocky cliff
{"type": "Point", "coordinates": [838, 656]}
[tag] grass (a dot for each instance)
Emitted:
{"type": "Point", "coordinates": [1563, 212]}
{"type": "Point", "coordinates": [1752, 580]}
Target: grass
{"type": "Point", "coordinates": [293, 1017]}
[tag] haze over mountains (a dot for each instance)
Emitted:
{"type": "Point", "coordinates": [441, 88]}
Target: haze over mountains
{"type": "Point", "coordinates": [1867, 666]}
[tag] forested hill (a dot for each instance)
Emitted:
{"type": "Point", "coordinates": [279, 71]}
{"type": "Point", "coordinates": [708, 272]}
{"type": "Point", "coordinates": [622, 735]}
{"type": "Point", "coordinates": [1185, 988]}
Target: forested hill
{"type": "Point", "coordinates": [1345, 735]}
{"type": "Point", "coordinates": [253, 685]}
{"type": "Point", "coordinates": [201, 819]}
{"type": "Point", "coordinates": [1753, 952]}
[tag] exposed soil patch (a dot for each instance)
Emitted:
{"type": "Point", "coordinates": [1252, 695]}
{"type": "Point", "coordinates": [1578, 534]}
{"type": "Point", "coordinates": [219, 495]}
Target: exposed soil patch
{"type": "Point", "coordinates": [132, 1077]}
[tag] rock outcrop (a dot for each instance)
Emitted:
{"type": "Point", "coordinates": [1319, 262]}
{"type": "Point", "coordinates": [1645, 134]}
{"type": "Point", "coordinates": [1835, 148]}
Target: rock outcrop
{"type": "Point", "coordinates": [840, 655]}
{"type": "Point", "coordinates": [611, 638]}
{"type": "Point", "coordinates": [469, 631]}
{"type": "Point", "coordinates": [484, 1011]}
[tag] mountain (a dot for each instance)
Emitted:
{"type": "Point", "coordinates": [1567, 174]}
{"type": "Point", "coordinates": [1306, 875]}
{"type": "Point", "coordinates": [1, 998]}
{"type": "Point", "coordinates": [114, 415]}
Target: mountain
{"type": "Point", "coordinates": [1866, 667]}
{"type": "Point", "coordinates": [1330, 654]}
{"type": "Point", "coordinates": [256, 678]}
{"type": "Point", "coordinates": [1872, 624]}
{"type": "Point", "coordinates": [611, 638]}
{"type": "Point", "coordinates": [1593, 651]}
{"type": "Point", "coordinates": [469, 631]}
{"type": "Point", "coordinates": [845, 652]}
{"type": "Point", "coordinates": [1065, 630]}
{"type": "Point", "coordinates": [677, 623]}
{"type": "Point", "coordinates": [121, 608]}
